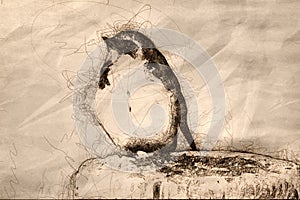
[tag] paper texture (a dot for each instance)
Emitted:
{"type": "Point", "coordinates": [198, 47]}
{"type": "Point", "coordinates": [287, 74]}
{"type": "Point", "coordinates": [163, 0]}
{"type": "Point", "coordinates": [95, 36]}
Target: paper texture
{"type": "Point", "coordinates": [254, 44]}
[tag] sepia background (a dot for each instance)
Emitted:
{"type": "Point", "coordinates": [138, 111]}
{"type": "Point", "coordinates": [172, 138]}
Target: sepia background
{"type": "Point", "coordinates": [254, 44]}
